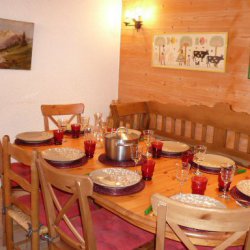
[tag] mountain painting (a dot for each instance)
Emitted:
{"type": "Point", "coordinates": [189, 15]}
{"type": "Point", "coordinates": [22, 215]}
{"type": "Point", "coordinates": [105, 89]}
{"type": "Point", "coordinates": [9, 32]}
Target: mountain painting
{"type": "Point", "coordinates": [16, 39]}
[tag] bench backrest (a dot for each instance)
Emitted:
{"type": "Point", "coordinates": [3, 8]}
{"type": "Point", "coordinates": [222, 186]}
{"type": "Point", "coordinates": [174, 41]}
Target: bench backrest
{"type": "Point", "coordinates": [220, 128]}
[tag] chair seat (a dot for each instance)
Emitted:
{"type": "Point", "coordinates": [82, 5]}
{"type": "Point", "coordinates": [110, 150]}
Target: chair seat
{"type": "Point", "coordinates": [111, 232]}
{"type": "Point", "coordinates": [62, 197]}
{"type": "Point", "coordinates": [22, 170]}
{"type": "Point", "coordinates": [175, 245]}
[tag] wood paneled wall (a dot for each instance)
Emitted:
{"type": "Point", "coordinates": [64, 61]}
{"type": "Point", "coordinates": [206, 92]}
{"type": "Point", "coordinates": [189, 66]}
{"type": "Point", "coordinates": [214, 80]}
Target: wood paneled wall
{"type": "Point", "coordinates": [140, 81]}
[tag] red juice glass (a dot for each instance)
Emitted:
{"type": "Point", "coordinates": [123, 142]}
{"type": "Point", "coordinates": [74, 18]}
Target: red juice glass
{"type": "Point", "coordinates": [156, 149]}
{"type": "Point", "coordinates": [221, 184]}
{"type": "Point", "coordinates": [199, 184]}
{"type": "Point", "coordinates": [147, 169]}
{"type": "Point", "coordinates": [75, 130]}
{"type": "Point", "coordinates": [89, 146]}
{"type": "Point", "coordinates": [187, 156]}
{"type": "Point", "coordinates": [58, 136]}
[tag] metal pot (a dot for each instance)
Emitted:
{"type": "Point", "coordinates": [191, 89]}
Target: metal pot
{"type": "Point", "coordinates": [117, 144]}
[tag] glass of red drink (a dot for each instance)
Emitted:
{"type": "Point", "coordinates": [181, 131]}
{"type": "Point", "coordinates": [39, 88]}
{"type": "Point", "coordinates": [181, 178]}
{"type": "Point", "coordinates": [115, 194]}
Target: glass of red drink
{"type": "Point", "coordinates": [58, 136]}
{"type": "Point", "coordinates": [156, 149]}
{"type": "Point", "coordinates": [188, 156]}
{"type": "Point", "coordinates": [75, 130]}
{"type": "Point", "coordinates": [147, 169]}
{"type": "Point", "coordinates": [199, 184]}
{"type": "Point", "coordinates": [89, 146]}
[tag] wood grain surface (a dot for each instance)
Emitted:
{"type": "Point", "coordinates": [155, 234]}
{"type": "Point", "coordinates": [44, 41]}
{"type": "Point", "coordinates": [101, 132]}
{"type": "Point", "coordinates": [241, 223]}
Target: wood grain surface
{"type": "Point", "coordinates": [140, 81]}
{"type": "Point", "coordinates": [132, 207]}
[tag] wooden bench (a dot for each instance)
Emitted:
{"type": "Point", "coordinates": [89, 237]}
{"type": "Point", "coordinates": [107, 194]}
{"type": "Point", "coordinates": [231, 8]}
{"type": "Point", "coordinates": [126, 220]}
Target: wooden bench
{"type": "Point", "coordinates": [220, 128]}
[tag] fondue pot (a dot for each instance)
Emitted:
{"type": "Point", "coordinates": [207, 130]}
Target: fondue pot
{"type": "Point", "coordinates": [117, 144]}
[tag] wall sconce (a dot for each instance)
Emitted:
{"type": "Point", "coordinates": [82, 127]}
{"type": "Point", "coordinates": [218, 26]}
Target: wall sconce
{"type": "Point", "coordinates": [136, 23]}
{"type": "Point", "coordinates": [133, 18]}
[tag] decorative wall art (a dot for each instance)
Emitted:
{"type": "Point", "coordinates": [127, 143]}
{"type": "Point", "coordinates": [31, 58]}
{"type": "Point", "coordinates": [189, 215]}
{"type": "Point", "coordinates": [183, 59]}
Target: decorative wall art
{"type": "Point", "coordinates": [191, 51]}
{"type": "Point", "coordinates": [16, 39]}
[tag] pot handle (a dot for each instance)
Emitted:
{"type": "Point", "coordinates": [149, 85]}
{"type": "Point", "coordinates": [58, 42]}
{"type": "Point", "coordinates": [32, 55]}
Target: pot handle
{"type": "Point", "coordinates": [122, 129]}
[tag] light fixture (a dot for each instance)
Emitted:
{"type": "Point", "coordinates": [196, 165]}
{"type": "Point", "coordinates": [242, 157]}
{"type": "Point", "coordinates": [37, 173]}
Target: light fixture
{"type": "Point", "coordinates": [133, 22]}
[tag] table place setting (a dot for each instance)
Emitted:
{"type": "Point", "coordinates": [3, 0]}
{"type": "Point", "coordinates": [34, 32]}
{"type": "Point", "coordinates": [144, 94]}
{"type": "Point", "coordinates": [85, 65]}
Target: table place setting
{"type": "Point", "coordinates": [65, 157]}
{"type": "Point", "coordinates": [174, 148]}
{"type": "Point", "coordinates": [116, 181]}
{"type": "Point", "coordinates": [34, 138]}
{"type": "Point", "coordinates": [241, 193]}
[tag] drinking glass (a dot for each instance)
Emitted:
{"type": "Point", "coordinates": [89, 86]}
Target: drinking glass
{"type": "Point", "coordinates": [136, 153]}
{"type": "Point", "coordinates": [226, 173]}
{"type": "Point", "coordinates": [199, 155]}
{"type": "Point", "coordinates": [182, 173]}
{"type": "Point", "coordinates": [85, 122]}
{"type": "Point", "coordinates": [148, 137]}
{"type": "Point", "coordinates": [62, 123]}
{"type": "Point", "coordinates": [147, 169]}
{"type": "Point", "coordinates": [156, 149]}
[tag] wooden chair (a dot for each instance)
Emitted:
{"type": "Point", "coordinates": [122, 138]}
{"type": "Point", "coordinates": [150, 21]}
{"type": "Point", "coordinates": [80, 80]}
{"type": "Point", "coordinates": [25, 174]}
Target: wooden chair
{"type": "Point", "coordinates": [99, 229]}
{"type": "Point", "coordinates": [15, 209]}
{"type": "Point", "coordinates": [173, 214]}
{"type": "Point", "coordinates": [73, 110]}
{"type": "Point", "coordinates": [130, 115]}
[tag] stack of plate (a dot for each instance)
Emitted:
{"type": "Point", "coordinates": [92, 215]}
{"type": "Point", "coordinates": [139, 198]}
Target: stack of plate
{"type": "Point", "coordinates": [34, 137]}
{"type": "Point", "coordinates": [116, 181]}
{"type": "Point", "coordinates": [198, 200]}
{"type": "Point", "coordinates": [64, 157]}
{"type": "Point", "coordinates": [211, 163]}
{"type": "Point", "coordinates": [174, 148]}
{"type": "Point", "coordinates": [241, 192]}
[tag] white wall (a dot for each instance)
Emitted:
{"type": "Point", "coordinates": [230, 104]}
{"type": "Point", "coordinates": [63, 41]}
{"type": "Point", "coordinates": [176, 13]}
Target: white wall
{"type": "Point", "coordinates": [75, 59]}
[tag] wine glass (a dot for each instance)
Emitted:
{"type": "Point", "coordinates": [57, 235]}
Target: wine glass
{"type": "Point", "coordinates": [226, 173]}
{"type": "Point", "coordinates": [199, 155]}
{"type": "Point", "coordinates": [182, 173]}
{"type": "Point", "coordinates": [148, 137]}
{"type": "Point", "coordinates": [85, 122]}
{"type": "Point", "coordinates": [136, 153]}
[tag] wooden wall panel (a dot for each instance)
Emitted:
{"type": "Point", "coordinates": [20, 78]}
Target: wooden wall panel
{"type": "Point", "coordinates": [140, 81]}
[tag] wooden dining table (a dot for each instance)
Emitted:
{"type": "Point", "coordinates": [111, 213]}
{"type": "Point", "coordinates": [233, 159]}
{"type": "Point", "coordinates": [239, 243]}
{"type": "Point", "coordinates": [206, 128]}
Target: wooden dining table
{"type": "Point", "coordinates": [132, 207]}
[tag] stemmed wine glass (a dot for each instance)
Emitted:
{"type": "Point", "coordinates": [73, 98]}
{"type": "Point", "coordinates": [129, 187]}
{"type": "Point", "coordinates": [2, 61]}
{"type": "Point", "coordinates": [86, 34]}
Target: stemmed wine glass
{"type": "Point", "coordinates": [148, 137]}
{"type": "Point", "coordinates": [199, 155]}
{"type": "Point", "coordinates": [182, 173]}
{"type": "Point", "coordinates": [226, 173]}
{"type": "Point", "coordinates": [136, 153]}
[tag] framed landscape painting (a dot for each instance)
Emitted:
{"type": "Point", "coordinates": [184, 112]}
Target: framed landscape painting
{"type": "Point", "coordinates": [16, 40]}
{"type": "Point", "coordinates": [191, 51]}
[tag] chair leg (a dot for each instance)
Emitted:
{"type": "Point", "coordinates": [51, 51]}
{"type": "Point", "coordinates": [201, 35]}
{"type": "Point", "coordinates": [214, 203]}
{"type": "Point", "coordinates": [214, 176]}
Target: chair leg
{"type": "Point", "coordinates": [9, 232]}
{"type": "Point", "coordinates": [35, 241]}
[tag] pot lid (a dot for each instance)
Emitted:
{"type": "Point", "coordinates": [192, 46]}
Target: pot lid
{"type": "Point", "coordinates": [123, 134]}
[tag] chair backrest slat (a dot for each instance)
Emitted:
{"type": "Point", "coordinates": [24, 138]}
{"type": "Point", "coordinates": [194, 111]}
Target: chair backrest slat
{"type": "Point", "coordinates": [72, 110]}
{"type": "Point", "coordinates": [179, 214]}
{"type": "Point", "coordinates": [80, 188]}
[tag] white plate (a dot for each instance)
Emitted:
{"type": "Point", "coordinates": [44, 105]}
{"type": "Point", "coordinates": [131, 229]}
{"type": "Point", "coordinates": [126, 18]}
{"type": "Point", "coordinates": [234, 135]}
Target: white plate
{"type": "Point", "coordinates": [198, 200]}
{"type": "Point", "coordinates": [34, 136]}
{"type": "Point", "coordinates": [174, 147]}
{"type": "Point", "coordinates": [137, 132]}
{"type": "Point", "coordinates": [214, 161]}
{"type": "Point", "coordinates": [62, 155]}
{"type": "Point", "coordinates": [115, 177]}
{"type": "Point", "coordinates": [244, 187]}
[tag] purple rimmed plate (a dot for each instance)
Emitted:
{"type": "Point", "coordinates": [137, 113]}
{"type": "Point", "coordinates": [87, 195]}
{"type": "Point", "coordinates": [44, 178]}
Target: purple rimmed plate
{"type": "Point", "coordinates": [119, 191]}
{"type": "Point", "coordinates": [238, 196]}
